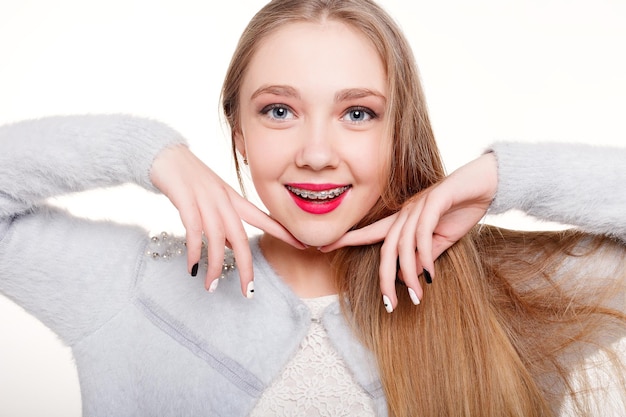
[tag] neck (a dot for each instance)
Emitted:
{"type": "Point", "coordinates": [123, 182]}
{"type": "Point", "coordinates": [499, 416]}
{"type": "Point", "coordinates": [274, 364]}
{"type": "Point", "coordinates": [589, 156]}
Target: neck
{"type": "Point", "coordinates": [307, 272]}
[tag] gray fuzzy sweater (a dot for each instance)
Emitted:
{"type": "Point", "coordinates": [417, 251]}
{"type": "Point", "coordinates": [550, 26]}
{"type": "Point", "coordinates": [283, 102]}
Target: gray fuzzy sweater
{"type": "Point", "coordinates": [147, 339]}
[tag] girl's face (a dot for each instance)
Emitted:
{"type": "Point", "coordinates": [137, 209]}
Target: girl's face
{"type": "Point", "coordinates": [313, 128]}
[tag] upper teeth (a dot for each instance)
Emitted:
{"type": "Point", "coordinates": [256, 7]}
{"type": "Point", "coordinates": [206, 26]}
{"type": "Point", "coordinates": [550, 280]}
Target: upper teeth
{"type": "Point", "coordinates": [318, 195]}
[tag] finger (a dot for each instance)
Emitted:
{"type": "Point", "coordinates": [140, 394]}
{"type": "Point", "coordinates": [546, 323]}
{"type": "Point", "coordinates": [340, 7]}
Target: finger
{"type": "Point", "coordinates": [257, 218]}
{"type": "Point", "coordinates": [192, 223]}
{"type": "Point", "coordinates": [407, 247]}
{"type": "Point", "coordinates": [388, 261]}
{"type": "Point", "coordinates": [430, 215]}
{"type": "Point", "coordinates": [440, 245]}
{"type": "Point", "coordinates": [215, 236]}
{"type": "Point", "coordinates": [415, 295]}
{"type": "Point", "coordinates": [267, 224]}
{"type": "Point", "coordinates": [238, 240]}
{"type": "Point", "coordinates": [367, 235]}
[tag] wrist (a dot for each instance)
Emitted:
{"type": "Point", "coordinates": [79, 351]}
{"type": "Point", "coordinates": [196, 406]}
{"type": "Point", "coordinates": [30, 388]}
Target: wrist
{"type": "Point", "coordinates": [489, 165]}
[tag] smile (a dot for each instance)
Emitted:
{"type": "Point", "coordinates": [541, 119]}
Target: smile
{"type": "Point", "coordinates": [317, 198]}
{"type": "Point", "coordinates": [318, 195]}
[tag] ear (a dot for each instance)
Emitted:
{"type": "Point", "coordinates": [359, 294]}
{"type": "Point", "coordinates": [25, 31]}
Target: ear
{"type": "Point", "coordinates": [240, 143]}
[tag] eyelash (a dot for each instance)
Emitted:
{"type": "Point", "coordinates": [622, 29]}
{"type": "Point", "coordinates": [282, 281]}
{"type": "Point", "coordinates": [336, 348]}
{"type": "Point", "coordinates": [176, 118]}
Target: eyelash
{"type": "Point", "coordinates": [365, 110]}
{"type": "Point", "coordinates": [266, 111]}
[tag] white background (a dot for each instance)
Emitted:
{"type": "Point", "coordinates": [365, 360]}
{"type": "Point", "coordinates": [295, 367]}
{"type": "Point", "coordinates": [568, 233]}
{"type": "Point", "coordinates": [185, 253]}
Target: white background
{"type": "Point", "coordinates": [526, 70]}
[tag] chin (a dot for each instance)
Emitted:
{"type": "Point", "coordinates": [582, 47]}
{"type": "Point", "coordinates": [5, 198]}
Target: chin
{"type": "Point", "coordinates": [316, 240]}
{"type": "Point", "coordinates": [316, 243]}
{"type": "Point", "coordinates": [314, 233]}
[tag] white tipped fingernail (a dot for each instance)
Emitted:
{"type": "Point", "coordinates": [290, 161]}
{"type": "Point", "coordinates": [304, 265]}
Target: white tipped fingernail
{"type": "Point", "coordinates": [250, 290]}
{"type": "Point", "coordinates": [414, 298]}
{"type": "Point", "coordinates": [214, 284]}
{"type": "Point", "coordinates": [387, 304]}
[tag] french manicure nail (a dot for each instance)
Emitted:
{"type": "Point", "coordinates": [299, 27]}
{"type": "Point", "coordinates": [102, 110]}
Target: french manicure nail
{"type": "Point", "coordinates": [214, 284]}
{"type": "Point", "coordinates": [194, 270]}
{"type": "Point", "coordinates": [387, 304]}
{"type": "Point", "coordinates": [414, 298]}
{"type": "Point", "coordinates": [427, 277]}
{"type": "Point", "coordinates": [250, 290]}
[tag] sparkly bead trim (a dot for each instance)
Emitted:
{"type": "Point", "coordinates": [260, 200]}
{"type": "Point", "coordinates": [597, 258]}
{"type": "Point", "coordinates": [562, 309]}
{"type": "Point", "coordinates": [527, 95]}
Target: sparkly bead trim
{"type": "Point", "coordinates": [229, 263]}
{"type": "Point", "coordinates": [164, 247]}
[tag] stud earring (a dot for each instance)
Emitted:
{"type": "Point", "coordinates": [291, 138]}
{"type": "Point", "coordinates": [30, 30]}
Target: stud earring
{"type": "Point", "coordinates": [245, 160]}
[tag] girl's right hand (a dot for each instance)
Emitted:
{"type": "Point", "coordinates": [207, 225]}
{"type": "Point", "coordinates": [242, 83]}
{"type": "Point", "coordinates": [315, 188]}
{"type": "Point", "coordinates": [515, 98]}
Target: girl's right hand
{"type": "Point", "coordinates": [208, 205]}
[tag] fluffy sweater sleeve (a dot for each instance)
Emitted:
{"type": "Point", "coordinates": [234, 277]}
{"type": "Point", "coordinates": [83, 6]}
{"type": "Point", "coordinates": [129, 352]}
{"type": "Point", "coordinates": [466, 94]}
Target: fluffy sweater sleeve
{"type": "Point", "coordinates": [575, 184]}
{"type": "Point", "coordinates": [56, 155]}
{"type": "Point", "coordinates": [73, 274]}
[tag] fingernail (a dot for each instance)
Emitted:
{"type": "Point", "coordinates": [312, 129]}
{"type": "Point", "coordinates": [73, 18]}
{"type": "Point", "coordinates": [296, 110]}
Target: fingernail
{"type": "Point", "coordinates": [387, 304]}
{"type": "Point", "coordinates": [250, 290]}
{"type": "Point", "coordinates": [194, 270]}
{"type": "Point", "coordinates": [427, 277]}
{"type": "Point", "coordinates": [214, 284]}
{"type": "Point", "coordinates": [414, 298]}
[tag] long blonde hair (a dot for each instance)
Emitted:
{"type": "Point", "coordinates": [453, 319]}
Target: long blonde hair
{"type": "Point", "coordinates": [495, 333]}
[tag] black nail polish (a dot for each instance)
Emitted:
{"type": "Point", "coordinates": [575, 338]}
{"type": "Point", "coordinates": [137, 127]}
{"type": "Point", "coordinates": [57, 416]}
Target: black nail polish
{"type": "Point", "coordinates": [194, 270]}
{"type": "Point", "coordinates": [427, 277]}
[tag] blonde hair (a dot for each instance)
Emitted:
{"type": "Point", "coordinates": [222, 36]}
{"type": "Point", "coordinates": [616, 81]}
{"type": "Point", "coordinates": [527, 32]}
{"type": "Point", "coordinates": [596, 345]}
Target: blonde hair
{"type": "Point", "coordinates": [478, 343]}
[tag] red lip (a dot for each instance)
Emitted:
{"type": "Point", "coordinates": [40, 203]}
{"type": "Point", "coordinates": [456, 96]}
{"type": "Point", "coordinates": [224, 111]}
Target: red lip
{"type": "Point", "coordinates": [317, 206]}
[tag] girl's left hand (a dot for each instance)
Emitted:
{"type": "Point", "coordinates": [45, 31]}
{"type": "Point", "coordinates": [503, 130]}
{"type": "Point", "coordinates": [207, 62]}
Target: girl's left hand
{"type": "Point", "coordinates": [427, 225]}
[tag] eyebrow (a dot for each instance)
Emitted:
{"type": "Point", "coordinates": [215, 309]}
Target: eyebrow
{"type": "Point", "coordinates": [343, 95]}
{"type": "Point", "coordinates": [356, 93]}
{"type": "Point", "coordinates": [277, 90]}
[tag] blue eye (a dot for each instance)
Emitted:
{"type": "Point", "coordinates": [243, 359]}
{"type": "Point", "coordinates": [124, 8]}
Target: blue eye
{"type": "Point", "coordinates": [358, 114]}
{"type": "Point", "coordinates": [278, 112]}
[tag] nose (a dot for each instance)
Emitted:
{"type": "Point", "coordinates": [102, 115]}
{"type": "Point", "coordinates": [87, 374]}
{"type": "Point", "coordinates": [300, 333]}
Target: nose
{"type": "Point", "coordinates": [317, 150]}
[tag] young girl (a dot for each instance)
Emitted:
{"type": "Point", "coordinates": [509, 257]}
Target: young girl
{"type": "Point", "coordinates": [326, 110]}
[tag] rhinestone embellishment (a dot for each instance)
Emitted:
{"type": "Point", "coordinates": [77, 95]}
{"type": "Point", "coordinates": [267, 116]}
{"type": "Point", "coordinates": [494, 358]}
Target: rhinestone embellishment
{"type": "Point", "coordinates": [163, 247]}
{"type": "Point", "coordinates": [229, 263]}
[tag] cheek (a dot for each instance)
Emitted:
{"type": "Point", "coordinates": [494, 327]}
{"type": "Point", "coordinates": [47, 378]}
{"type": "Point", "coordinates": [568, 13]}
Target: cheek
{"type": "Point", "coordinates": [267, 165]}
{"type": "Point", "coordinates": [264, 153]}
{"type": "Point", "coordinates": [371, 164]}
{"type": "Point", "coordinates": [263, 170]}
{"type": "Point", "coordinates": [263, 144]}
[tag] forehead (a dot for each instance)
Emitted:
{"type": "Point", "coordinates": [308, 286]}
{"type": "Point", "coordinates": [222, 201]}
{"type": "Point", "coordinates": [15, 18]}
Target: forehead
{"type": "Point", "coordinates": [316, 56]}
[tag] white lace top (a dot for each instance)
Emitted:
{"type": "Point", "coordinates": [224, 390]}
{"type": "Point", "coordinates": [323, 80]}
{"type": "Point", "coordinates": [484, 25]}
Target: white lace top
{"type": "Point", "coordinates": [316, 381]}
